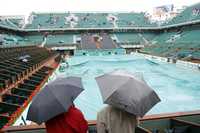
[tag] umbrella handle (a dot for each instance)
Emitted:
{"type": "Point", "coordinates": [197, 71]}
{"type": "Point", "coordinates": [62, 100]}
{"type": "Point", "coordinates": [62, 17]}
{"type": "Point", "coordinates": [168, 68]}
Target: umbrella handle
{"type": "Point", "coordinates": [72, 100]}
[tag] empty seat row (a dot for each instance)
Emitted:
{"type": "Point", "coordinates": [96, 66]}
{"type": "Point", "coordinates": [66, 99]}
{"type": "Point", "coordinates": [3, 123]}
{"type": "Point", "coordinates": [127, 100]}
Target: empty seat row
{"type": "Point", "coordinates": [11, 102]}
{"type": "Point", "coordinates": [15, 68]}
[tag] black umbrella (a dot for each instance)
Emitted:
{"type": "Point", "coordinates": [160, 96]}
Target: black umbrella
{"type": "Point", "coordinates": [54, 99]}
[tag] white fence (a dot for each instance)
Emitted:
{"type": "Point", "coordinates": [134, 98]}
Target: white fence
{"type": "Point", "coordinates": [181, 63]}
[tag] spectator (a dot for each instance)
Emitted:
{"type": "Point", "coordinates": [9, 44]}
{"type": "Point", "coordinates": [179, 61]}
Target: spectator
{"type": "Point", "coordinates": [1, 39]}
{"type": "Point", "coordinates": [72, 121]}
{"type": "Point", "coordinates": [199, 66]}
{"type": "Point", "coordinates": [114, 120]}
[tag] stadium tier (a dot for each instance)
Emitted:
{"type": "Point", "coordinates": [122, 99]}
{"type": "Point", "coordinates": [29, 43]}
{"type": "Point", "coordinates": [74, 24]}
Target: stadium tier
{"type": "Point", "coordinates": [87, 20]}
{"type": "Point", "coordinates": [134, 37]}
{"type": "Point", "coordinates": [129, 38]}
{"type": "Point", "coordinates": [46, 20]}
{"type": "Point", "coordinates": [133, 20]}
{"type": "Point", "coordinates": [91, 20]}
{"type": "Point", "coordinates": [191, 13]}
{"type": "Point", "coordinates": [148, 35]}
{"type": "Point", "coordinates": [60, 39]}
{"type": "Point", "coordinates": [27, 56]}
{"type": "Point", "coordinates": [181, 44]}
{"type": "Point", "coordinates": [96, 20]}
{"type": "Point", "coordinates": [17, 22]}
{"type": "Point", "coordinates": [33, 39]}
{"type": "Point", "coordinates": [11, 22]}
{"type": "Point", "coordinates": [22, 70]}
{"type": "Point", "coordinates": [9, 40]}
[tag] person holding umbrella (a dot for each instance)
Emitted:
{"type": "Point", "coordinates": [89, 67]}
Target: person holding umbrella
{"type": "Point", "coordinates": [54, 106]}
{"type": "Point", "coordinates": [72, 121]}
{"type": "Point", "coordinates": [128, 97]}
{"type": "Point", "coordinates": [114, 120]}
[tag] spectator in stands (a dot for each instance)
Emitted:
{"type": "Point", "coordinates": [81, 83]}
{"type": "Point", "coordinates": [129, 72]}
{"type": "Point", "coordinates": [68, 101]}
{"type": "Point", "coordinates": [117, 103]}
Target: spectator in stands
{"type": "Point", "coordinates": [196, 11]}
{"type": "Point", "coordinates": [114, 120]}
{"type": "Point", "coordinates": [1, 40]}
{"type": "Point", "coordinates": [72, 121]}
{"type": "Point", "coordinates": [45, 36]}
{"type": "Point", "coordinates": [199, 66]}
{"type": "Point", "coordinates": [39, 26]}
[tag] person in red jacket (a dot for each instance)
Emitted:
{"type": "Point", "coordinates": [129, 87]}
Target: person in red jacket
{"type": "Point", "coordinates": [72, 121]}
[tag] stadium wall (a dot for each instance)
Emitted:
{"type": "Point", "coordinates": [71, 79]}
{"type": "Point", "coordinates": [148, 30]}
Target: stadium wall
{"type": "Point", "coordinates": [180, 63]}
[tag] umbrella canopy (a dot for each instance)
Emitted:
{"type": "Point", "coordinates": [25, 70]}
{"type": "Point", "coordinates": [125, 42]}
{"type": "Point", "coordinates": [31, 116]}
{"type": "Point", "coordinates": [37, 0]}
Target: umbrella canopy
{"type": "Point", "coordinates": [54, 99]}
{"type": "Point", "coordinates": [126, 91]}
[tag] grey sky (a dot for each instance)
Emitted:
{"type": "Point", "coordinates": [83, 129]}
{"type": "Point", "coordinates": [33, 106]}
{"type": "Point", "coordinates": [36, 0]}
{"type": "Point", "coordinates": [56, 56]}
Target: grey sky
{"type": "Point", "coordinates": [24, 7]}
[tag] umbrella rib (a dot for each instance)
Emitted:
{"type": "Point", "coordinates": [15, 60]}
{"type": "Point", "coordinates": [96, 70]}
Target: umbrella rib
{"type": "Point", "coordinates": [119, 87]}
{"type": "Point", "coordinates": [57, 99]}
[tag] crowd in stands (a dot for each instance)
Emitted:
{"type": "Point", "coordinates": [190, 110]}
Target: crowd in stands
{"type": "Point", "coordinates": [179, 44]}
{"type": "Point", "coordinates": [100, 20]}
{"type": "Point", "coordinates": [133, 20]}
{"type": "Point", "coordinates": [164, 44]}
{"type": "Point", "coordinates": [87, 20]}
{"type": "Point", "coordinates": [196, 11]}
{"type": "Point", "coordinates": [191, 13]}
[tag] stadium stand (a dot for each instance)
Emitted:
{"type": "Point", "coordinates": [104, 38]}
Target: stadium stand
{"type": "Point", "coordinates": [10, 22]}
{"type": "Point", "coordinates": [100, 20]}
{"type": "Point", "coordinates": [22, 71]}
{"type": "Point", "coordinates": [129, 38]}
{"type": "Point", "coordinates": [190, 37]}
{"type": "Point", "coordinates": [133, 20]}
{"type": "Point", "coordinates": [60, 39]}
{"type": "Point", "coordinates": [149, 35]}
{"type": "Point", "coordinates": [62, 20]}
{"type": "Point", "coordinates": [33, 39]}
{"type": "Point", "coordinates": [87, 42]}
{"type": "Point", "coordinates": [177, 44]}
{"type": "Point", "coordinates": [13, 102]}
{"type": "Point", "coordinates": [9, 40]}
{"type": "Point", "coordinates": [191, 13]}
{"type": "Point", "coordinates": [46, 20]}
{"type": "Point", "coordinates": [86, 20]}
{"type": "Point", "coordinates": [19, 22]}
{"type": "Point", "coordinates": [16, 63]}
{"type": "Point", "coordinates": [169, 43]}
{"type": "Point", "coordinates": [91, 20]}
{"type": "Point", "coordinates": [97, 41]}
{"type": "Point", "coordinates": [133, 38]}
{"type": "Point", "coordinates": [107, 42]}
